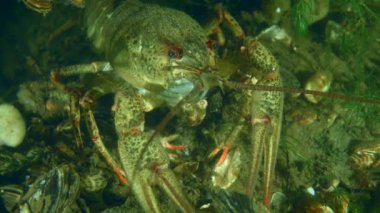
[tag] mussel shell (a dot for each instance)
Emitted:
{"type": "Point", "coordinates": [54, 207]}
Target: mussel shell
{"type": "Point", "coordinates": [40, 6]}
{"type": "Point", "coordinates": [320, 81]}
{"type": "Point", "coordinates": [54, 191]}
{"type": "Point", "coordinates": [78, 3]}
{"type": "Point", "coordinates": [10, 195]}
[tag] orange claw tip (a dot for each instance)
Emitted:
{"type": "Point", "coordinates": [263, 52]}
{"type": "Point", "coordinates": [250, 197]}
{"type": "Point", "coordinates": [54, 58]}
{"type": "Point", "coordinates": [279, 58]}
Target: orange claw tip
{"type": "Point", "coordinates": [266, 200]}
{"type": "Point", "coordinates": [121, 176]}
{"type": "Point", "coordinates": [226, 150]}
{"type": "Point", "coordinates": [266, 119]}
{"type": "Point", "coordinates": [175, 147]}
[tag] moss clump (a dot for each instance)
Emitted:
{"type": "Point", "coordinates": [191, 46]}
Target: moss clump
{"type": "Point", "coordinates": [355, 27]}
{"type": "Point", "coordinates": [301, 14]}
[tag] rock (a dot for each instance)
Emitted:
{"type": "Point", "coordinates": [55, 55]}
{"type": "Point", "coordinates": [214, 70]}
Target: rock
{"type": "Point", "coordinates": [12, 126]}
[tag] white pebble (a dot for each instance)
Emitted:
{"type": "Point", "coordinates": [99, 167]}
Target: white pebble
{"type": "Point", "coordinates": [12, 126]}
{"type": "Point", "coordinates": [310, 191]}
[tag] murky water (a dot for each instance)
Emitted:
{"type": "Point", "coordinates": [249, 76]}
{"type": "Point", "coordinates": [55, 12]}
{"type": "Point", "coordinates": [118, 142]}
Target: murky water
{"type": "Point", "coordinates": [329, 149]}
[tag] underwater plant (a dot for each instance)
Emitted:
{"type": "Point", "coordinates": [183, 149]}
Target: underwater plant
{"type": "Point", "coordinates": [301, 14]}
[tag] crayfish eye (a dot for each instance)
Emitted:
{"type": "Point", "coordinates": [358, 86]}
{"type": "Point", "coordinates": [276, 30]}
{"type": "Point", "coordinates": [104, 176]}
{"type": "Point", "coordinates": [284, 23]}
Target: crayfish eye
{"type": "Point", "coordinates": [175, 53]}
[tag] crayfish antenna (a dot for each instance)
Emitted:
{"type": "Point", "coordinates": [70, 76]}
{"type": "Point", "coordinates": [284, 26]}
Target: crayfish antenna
{"type": "Point", "coordinates": [332, 95]}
